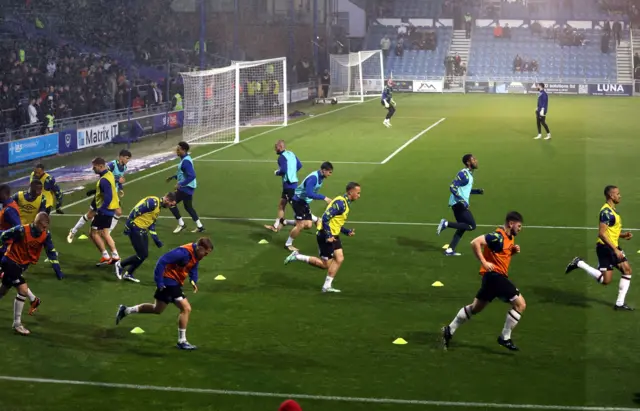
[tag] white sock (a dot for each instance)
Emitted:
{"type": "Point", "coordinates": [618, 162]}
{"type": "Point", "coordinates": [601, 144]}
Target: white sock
{"type": "Point", "coordinates": [327, 282]}
{"type": "Point", "coordinates": [289, 222]}
{"type": "Point", "coordinates": [114, 222]}
{"type": "Point", "coordinates": [105, 254]}
{"type": "Point", "coordinates": [182, 335]}
{"type": "Point", "coordinates": [623, 287]}
{"type": "Point", "coordinates": [198, 223]}
{"type": "Point", "coordinates": [593, 272]}
{"type": "Point", "coordinates": [314, 218]}
{"type": "Point", "coordinates": [303, 258]}
{"type": "Point", "coordinates": [462, 317]}
{"type": "Point", "coordinates": [180, 221]}
{"type": "Point", "coordinates": [32, 296]}
{"type": "Point", "coordinates": [132, 310]}
{"type": "Point", "coordinates": [446, 224]}
{"type": "Point", "coordinates": [276, 224]}
{"type": "Point", "coordinates": [114, 254]}
{"type": "Point", "coordinates": [81, 222]}
{"type": "Point", "coordinates": [18, 305]}
{"type": "Point", "coordinates": [510, 323]}
{"type": "Point", "coordinates": [289, 242]}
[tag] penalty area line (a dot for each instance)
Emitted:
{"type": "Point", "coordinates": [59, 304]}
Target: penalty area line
{"type": "Point", "coordinates": [457, 404]}
{"type": "Point", "coordinates": [414, 138]}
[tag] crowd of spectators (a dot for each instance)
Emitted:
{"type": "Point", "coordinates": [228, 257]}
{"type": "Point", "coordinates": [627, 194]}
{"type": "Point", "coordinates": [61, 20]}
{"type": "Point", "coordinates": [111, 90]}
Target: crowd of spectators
{"type": "Point", "coordinates": [521, 65]}
{"type": "Point", "coordinates": [410, 37]}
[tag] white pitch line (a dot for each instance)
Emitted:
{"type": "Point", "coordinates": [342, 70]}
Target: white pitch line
{"type": "Point", "coordinates": [458, 404]}
{"type": "Point", "coordinates": [399, 223]}
{"type": "Point", "coordinates": [220, 149]}
{"type": "Point", "coordinates": [274, 161]}
{"type": "Point", "coordinates": [414, 138]}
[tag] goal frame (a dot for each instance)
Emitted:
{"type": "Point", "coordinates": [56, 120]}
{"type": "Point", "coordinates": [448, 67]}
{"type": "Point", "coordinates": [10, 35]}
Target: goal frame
{"type": "Point", "coordinates": [354, 62]}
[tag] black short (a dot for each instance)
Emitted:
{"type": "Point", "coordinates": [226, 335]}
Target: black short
{"type": "Point", "coordinates": [140, 242]}
{"type": "Point", "coordinates": [496, 285]}
{"type": "Point", "coordinates": [463, 215]}
{"type": "Point", "coordinates": [101, 222]}
{"type": "Point", "coordinates": [287, 194]}
{"type": "Point", "coordinates": [181, 196]}
{"type": "Point", "coordinates": [325, 90]}
{"type": "Point", "coordinates": [325, 249]}
{"type": "Point", "coordinates": [301, 210]}
{"type": "Point", "coordinates": [12, 274]}
{"type": "Point", "coordinates": [607, 259]}
{"type": "Point", "coordinates": [169, 294]}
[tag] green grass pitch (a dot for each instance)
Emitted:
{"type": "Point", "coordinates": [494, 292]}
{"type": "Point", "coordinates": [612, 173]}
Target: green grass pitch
{"type": "Point", "coordinates": [269, 329]}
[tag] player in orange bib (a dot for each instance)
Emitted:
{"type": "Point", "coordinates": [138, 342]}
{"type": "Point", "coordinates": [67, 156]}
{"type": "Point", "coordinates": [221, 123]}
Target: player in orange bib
{"type": "Point", "coordinates": [25, 243]}
{"type": "Point", "coordinates": [494, 251]}
{"type": "Point", "coordinates": [171, 270]}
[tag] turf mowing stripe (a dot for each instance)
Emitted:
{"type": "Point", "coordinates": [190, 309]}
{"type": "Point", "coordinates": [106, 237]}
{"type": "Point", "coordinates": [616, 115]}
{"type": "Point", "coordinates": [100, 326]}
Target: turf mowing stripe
{"type": "Point", "coordinates": [414, 138]}
{"type": "Point", "coordinates": [460, 404]}
{"type": "Point", "coordinates": [401, 223]}
{"type": "Point", "coordinates": [215, 160]}
{"type": "Point", "coordinates": [220, 149]}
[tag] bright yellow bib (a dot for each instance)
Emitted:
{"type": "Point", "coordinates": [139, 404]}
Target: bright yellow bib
{"type": "Point", "coordinates": [28, 209]}
{"type": "Point", "coordinates": [613, 232]}
{"type": "Point", "coordinates": [115, 202]}
{"type": "Point", "coordinates": [145, 220]}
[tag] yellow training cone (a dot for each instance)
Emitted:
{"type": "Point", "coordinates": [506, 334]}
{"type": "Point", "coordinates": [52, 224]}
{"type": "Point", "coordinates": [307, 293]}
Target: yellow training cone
{"type": "Point", "coordinates": [444, 247]}
{"type": "Point", "coordinates": [137, 330]}
{"type": "Point", "coordinates": [400, 341]}
{"type": "Point", "coordinates": [263, 242]}
{"type": "Point", "coordinates": [437, 284]}
{"type": "Point", "coordinates": [82, 237]}
{"type": "Point", "coordinates": [220, 278]}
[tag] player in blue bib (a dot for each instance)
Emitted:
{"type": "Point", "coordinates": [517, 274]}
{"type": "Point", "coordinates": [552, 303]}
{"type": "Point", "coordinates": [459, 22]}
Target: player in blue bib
{"type": "Point", "coordinates": [288, 167]}
{"type": "Point", "coordinates": [186, 186]}
{"type": "Point", "coordinates": [118, 168]}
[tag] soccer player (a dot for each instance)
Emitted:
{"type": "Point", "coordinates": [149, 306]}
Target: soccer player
{"type": "Point", "coordinates": [141, 222]}
{"type": "Point", "coordinates": [494, 251]}
{"type": "Point", "coordinates": [52, 192]}
{"type": "Point", "coordinates": [289, 165]}
{"type": "Point", "coordinates": [328, 237]}
{"type": "Point", "coordinates": [461, 189]}
{"type": "Point", "coordinates": [388, 103]}
{"type": "Point", "coordinates": [30, 202]}
{"type": "Point", "coordinates": [170, 272]}
{"type": "Point", "coordinates": [25, 243]}
{"type": "Point", "coordinates": [107, 202]}
{"type": "Point", "coordinates": [609, 253]}
{"type": "Point", "coordinates": [305, 193]}
{"type": "Point", "coordinates": [10, 213]}
{"type": "Point", "coordinates": [185, 187]}
{"type": "Point", "coordinates": [118, 167]}
{"type": "Point", "coordinates": [541, 112]}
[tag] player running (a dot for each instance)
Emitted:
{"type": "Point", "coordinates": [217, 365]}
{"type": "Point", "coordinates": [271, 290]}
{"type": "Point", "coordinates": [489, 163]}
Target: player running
{"type": "Point", "coordinates": [289, 165]}
{"type": "Point", "coordinates": [141, 222]}
{"type": "Point", "coordinates": [52, 192]}
{"type": "Point", "coordinates": [24, 245]}
{"type": "Point", "coordinates": [170, 272]}
{"type": "Point", "coordinates": [118, 167]}
{"type": "Point", "coordinates": [494, 251]}
{"type": "Point", "coordinates": [305, 193]}
{"type": "Point", "coordinates": [461, 189]}
{"type": "Point", "coordinates": [609, 253]}
{"type": "Point", "coordinates": [541, 112]}
{"type": "Point", "coordinates": [388, 103]}
{"type": "Point", "coordinates": [30, 202]}
{"type": "Point", "coordinates": [185, 188]}
{"type": "Point", "coordinates": [328, 237]}
{"type": "Point", "coordinates": [107, 202]}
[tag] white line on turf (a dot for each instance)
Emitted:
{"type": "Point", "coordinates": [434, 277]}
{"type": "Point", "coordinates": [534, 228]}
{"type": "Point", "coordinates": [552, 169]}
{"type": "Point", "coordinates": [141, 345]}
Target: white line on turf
{"type": "Point", "coordinates": [221, 148]}
{"type": "Point", "coordinates": [414, 138]}
{"type": "Point", "coordinates": [399, 223]}
{"type": "Point", "coordinates": [458, 404]}
{"type": "Point", "coordinates": [272, 161]}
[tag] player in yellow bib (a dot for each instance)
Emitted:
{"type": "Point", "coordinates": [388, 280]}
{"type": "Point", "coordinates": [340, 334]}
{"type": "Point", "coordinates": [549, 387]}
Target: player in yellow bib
{"type": "Point", "coordinates": [141, 223]}
{"type": "Point", "coordinates": [31, 202]}
{"type": "Point", "coordinates": [328, 237]}
{"type": "Point", "coordinates": [107, 202]}
{"type": "Point", "coordinates": [610, 255]}
{"type": "Point", "coordinates": [52, 192]}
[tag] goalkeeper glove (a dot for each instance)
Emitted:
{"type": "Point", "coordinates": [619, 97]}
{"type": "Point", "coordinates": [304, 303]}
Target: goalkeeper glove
{"type": "Point", "coordinates": [386, 104]}
{"type": "Point", "coordinates": [541, 112]}
{"type": "Point", "coordinates": [393, 102]}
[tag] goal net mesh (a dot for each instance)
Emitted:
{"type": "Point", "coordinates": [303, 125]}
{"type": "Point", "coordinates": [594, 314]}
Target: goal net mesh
{"type": "Point", "coordinates": [355, 76]}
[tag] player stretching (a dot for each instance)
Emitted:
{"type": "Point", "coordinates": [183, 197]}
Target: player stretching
{"type": "Point", "coordinates": [171, 271]}
{"type": "Point", "coordinates": [388, 102]}
{"type": "Point", "coordinates": [461, 190]}
{"type": "Point", "coordinates": [52, 192]}
{"type": "Point", "coordinates": [609, 253]}
{"type": "Point", "coordinates": [289, 165]}
{"type": "Point", "coordinates": [541, 112]}
{"type": "Point", "coordinates": [30, 202]}
{"type": "Point", "coordinates": [107, 202]}
{"type": "Point", "coordinates": [328, 237]}
{"type": "Point", "coordinates": [184, 188]}
{"type": "Point", "coordinates": [141, 222]}
{"type": "Point", "coordinates": [118, 167]}
{"type": "Point", "coordinates": [494, 251]}
{"type": "Point", "coordinates": [25, 244]}
{"type": "Point", "coordinates": [305, 193]}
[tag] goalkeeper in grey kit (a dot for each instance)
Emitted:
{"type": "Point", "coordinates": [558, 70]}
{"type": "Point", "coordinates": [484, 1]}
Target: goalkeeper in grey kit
{"type": "Point", "coordinates": [388, 103]}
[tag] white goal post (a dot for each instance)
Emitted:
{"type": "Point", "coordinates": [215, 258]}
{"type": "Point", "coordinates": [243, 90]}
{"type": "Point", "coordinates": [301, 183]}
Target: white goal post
{"type": "Point", "coordinates": [219, 102]}
{"type": "Point", "coordinates": [355, 76]}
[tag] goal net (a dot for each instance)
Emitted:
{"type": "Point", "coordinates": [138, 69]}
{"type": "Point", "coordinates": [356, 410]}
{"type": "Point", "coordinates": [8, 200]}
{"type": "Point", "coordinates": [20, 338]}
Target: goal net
{"type": "Point", "coordinates": [218, 103]}
{"type": "Point", "coordinates": [355, 76]}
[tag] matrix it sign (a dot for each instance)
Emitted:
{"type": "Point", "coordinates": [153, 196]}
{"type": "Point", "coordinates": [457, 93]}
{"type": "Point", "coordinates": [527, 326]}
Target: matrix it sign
{"type": "Point", "coordinates": [428, 86]}
{"type": "Point", "coordinates": [97, 136]}
{"type": "Point", "coordinates": [30, 148]}
{"type": "Point", "coordinates": [610, 89]}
